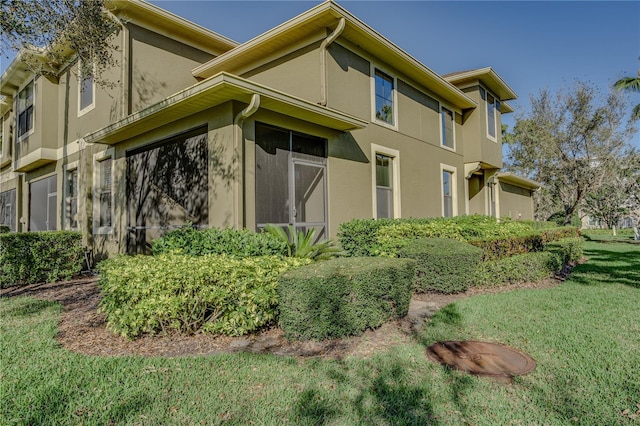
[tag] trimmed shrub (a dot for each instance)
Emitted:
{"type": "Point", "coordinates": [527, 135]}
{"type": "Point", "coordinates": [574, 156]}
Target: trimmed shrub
{"type": "Point", "coordinates": [568, 249]}
{"type": "Point", "coordinates": [519, 268]}
{"type": "Point", "coordinates": [233, 242]}
{"type": "Point", "coordinates": [344, 296]}
{"type": "Point", "coordinates": [211, 293]}
{"type": "Point", "coordinates": [358, 237]}
{"type": "Point", "coordinates": [442, 265]}
{"type": "Point", "coordinates": [4, 229]}
{"type": "Point", "coordinates": [31, 257]}
{"type": "Point", "coordinates": [499, 248]}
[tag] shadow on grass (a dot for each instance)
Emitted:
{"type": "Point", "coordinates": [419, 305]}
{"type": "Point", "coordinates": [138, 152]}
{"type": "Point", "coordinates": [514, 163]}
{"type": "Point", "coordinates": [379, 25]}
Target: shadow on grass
{"type": "Point", "coordinates": [609, 266]}
{"type": "Point", "coordinates": [386, 394]}
{"type": "Point", "coordinates": [30, 307]}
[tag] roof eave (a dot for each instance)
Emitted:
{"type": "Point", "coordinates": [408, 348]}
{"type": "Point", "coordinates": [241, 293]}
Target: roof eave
{"type": "Point", "coordinates": [214, 91]}
{"type": "Point", "coordinates": [489, 77]}
{"type": "Point", "coordinates": [520, 181]}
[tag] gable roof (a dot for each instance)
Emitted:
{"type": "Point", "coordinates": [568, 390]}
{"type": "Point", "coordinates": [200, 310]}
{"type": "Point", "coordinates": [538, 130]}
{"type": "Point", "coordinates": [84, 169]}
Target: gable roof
{"type": "Point", "coordinates": [320, 18]}
{"type": "Point", "coordinates": [488, 76]}
{"type": "Point", "coordinates": [171, 25]}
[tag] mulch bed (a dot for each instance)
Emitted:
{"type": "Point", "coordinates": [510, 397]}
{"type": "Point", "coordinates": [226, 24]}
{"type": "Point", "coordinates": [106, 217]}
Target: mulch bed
{"type": "Point", "coordinates": [82, 328]}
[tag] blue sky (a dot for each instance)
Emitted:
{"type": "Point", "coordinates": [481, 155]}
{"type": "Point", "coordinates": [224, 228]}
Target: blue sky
{"type": "Point", "coordinates": [531, 44]}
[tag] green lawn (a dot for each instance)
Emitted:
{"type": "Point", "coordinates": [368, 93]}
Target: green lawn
{"type": "Point", "coordinates": [584, 334]}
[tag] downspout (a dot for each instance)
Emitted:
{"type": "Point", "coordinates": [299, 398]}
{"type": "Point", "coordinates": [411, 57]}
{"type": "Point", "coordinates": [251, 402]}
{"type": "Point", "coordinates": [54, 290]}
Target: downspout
{"type": "Point", "coordinates": [238, 149]}
{"type": "Point", "coordinates": [323, 60]}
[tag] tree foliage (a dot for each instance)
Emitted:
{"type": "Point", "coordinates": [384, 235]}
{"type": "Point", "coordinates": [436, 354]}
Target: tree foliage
{"type": "Point", "coordinates": [630, 84]}
{"type": "Point", "coordinates": [48, 32]}
{"type": "Point", "coordinates": [572, 142]}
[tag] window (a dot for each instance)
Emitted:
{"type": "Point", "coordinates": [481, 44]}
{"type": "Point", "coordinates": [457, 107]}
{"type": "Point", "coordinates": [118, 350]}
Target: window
{"type": "Point", "coordinates": [25, 110]}
{"type": "Point", "coordinates": [449, 193]}
{"type": "Point", "coordinates": [493, 105]}
{"type": "Point", "coordinates": [447, 128]}
{"type": "Point", "coordinates": [43, 197]}
{"type": "Point", "coordinates": [384, 186]}
{"type": "Point", "coordinates": [86, 89]}
{"type": "Point", "coordinates": [71, 198]}
{"type": "Point", "coordinates": [104, 194]}
{"type": "Point", "coordinates": [384, 97]}
{"type": "Point", "coordinates": [386, 178]}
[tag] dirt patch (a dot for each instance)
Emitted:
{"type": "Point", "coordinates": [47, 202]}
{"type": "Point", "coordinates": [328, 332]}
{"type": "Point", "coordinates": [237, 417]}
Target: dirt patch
{"type": "Point", "coordinates": [83, 329]}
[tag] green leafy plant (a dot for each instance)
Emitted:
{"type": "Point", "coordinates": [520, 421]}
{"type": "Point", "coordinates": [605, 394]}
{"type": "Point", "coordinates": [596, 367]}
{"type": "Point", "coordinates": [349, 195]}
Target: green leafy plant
{"type": "Point", "coordinates": [301, 243]}
{"type": "Point", "coordinates": [211, 293]}
{"type": "Point", "coordinates": [31, 257]}
{"type": "Point", "coordinates": [518, 268]}
{"type": "Point", "coordinates": [233, 242]}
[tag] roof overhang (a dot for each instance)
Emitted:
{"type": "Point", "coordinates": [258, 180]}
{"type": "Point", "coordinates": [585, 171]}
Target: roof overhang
{"type": "Point", "coordinates": [174, 26]}
{"type": "Point", "coordinates": [6, 102]}
{"type": "Point", "coordinates": [520, 181]}
{"type": "Point", "coordinates": [488, 77]}
{"type": "Point", "coordinates": [505, 108]}
{"type": "Point", "coordinates": [215, 91]}
{"type": "Point", "coordinates": [318, 19]}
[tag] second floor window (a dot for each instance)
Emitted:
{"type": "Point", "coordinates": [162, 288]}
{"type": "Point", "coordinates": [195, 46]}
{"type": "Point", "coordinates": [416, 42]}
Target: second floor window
{"type": "Point", "coordinates": [25, 110]}
{"type": "Point", "coordinates": [447, 128]}
{"type": "Point", "coordinates": [86, 94]}
{"type": "Point", "coordinates": [384, 88]}
{"type": "Point", "coordinates": [493, 105]}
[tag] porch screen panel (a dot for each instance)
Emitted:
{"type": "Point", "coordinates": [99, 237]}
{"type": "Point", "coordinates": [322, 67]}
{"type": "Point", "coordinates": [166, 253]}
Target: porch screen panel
{"type": "Point", "coordinates": [167, 186]}
{"type": "Point", "coordinates": [43, 200]}
{"type": "Point", "coordinates": [272, 176]}
{"type": "Point", "coordinates": [8, 209]}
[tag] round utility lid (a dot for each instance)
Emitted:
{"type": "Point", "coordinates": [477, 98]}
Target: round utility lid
{"type": "Point", "coordinates": [482, 358]}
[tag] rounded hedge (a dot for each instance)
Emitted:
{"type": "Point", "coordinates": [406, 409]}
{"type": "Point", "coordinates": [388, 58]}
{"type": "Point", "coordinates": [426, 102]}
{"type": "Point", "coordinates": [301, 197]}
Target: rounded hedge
{"type": "Point", "coordinates": [343, 297]}
{"type": "Point", "coordinates": [442, 265]}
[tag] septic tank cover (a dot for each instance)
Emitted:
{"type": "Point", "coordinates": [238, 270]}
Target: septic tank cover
{"type": "Point", "coordinates": [482, 358]}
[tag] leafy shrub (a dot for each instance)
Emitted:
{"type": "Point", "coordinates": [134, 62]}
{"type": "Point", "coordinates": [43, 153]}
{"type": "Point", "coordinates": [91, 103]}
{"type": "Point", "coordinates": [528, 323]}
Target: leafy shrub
{"type": "Point", "coordinates": [344, 296]}
{"type": "Point", "coordinates": [4, 229]}
{"type": "Point", "coordinates": [212, 293]}
{"type": "Point", "coordinates": [568, 249]}
{"type": "Point", "coordinates": [559, 217]}
{"type": "Point", "coordinates": [233, 242]}
{"type": "Point", "coordinates": [301, 244]}
{"type": "Point", "coordinates": [519, 268]}
{"type": "Point", "coordinates": [31, 257]}
{"type": "Point", "coordinates": [534, 224]}
{"type": "Point", "coordinates": [519, 244]}
{"type": "Point", "coordinates": [358, 237]}
{"type": "Point", "coordinates": [442, 265]}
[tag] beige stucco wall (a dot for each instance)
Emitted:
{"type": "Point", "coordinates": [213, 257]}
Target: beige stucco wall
{"type": "Point", "coordinates": [158, 66]}
{"type": "Point", "coordinates": [478, 146]}
{"type": "Point", "coordinates": [515, 205]}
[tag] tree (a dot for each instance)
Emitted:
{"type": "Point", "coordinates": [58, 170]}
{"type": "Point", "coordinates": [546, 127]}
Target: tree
{"type": "Point", "coordinates": [571, 142]}
{"type": "Point", "coordinates": [46, 32]}
{"type": "Point", "coordinates": [630, 84]}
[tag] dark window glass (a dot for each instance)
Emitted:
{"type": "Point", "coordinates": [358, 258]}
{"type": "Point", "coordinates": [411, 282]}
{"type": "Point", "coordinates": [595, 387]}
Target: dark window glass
{"type": "Point", "coordinates": [384, 186]}
{"type": "Point", "coordinates": [447, 128]}
{"type": "Point", "coordinates": [25, 109]}
{"type": "Point", "coordinates": [384, 97]}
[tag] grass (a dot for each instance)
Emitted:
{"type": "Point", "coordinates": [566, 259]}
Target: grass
{"type": "Point", "coordinates": [584, 334]}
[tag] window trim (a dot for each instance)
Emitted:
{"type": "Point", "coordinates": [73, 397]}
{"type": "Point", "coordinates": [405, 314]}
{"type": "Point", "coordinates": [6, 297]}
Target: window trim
{"type": "Point", "coordinates": [395, 176]}
{"type": "Point", "coordinates": [71, 167]}
{"type": "Point", "coordinates": [21, 137]}
{"type": "Point", "coordinates": [97, 159]}
{"type": "Point", "coordinates": [375, 119]}
{"type": "Point", "coordinates": [454, 189]}
{"type": "Point", "coordinates": [453, 127]}
{"type": "Point", "coordinates": [92, 105]}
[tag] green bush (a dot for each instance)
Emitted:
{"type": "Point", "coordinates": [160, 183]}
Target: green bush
{"type": "Point", "coordinates": [559, 218]}
{"type": "Point", "coordinates": [535, 241]}
{"type": "Point", "coordinates": [344, 296]}
{"type": "Point", "coordinates": [568, 249]}
{"type": "Point", "coordinates": [31, 257]}
{"type": "Point", "coordinates": [4, 229]}
{"type": "Point", "coordinates": [211, 293]}
{"type": "Point", "coordinates": [442, 265]}
{"type": "Point", "coordinates": [358, 237]}
{"type": "Point", "coordinates": [519, 268]}
{"type": "Point", "coordinates": [233, 242]}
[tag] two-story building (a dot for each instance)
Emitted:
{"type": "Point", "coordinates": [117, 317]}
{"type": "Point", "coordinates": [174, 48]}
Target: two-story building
{"type": "Point", "coordinates": [313, 123]}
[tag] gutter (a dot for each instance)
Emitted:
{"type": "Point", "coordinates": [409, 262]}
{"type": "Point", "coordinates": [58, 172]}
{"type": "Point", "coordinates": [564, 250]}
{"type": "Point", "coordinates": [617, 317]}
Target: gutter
{"type": "Point", "coordinates": [238, 147]}
{"type": "Point", "coordinates": [324, 87]}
